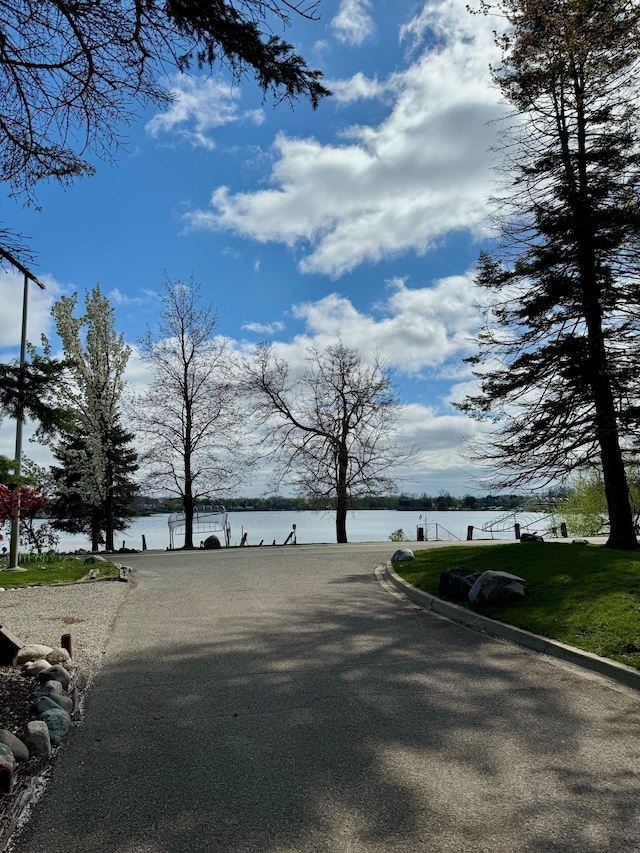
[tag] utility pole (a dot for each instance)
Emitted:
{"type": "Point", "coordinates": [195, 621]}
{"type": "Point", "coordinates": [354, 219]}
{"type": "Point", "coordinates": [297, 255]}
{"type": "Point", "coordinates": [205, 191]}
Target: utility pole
{"type": "Point", "coordinates": [15, 495]}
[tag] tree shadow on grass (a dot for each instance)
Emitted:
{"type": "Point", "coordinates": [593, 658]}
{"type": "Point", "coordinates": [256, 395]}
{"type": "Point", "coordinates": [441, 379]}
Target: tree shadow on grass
{"type": "Point", "coordinates": [336, 724]}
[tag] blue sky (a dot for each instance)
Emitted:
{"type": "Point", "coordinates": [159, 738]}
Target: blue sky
{"type": "Point", "coordinates": [362, 220]}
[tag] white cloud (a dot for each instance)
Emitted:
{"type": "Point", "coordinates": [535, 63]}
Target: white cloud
{"type": "Point", "coordinates": [356, 88]}
{"type": "Point", "coordinates": [353, 23]}
{"type": "Point", "coordinates": [201, 104]}
{"type": "Point", "coordinates": [423, 172]}
{"type": "Point", "coordinates": [264, 328]}
{"type": "Point", "coordinates": [413, 329]}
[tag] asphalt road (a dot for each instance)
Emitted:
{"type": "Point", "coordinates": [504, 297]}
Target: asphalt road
{"type": "Point", "coordinates": [282, 700]}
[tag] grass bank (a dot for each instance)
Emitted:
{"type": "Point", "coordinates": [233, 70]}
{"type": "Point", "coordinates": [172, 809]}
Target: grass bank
{"type": "Point", "coordinates": [48, 569]}
{"type": "Point", "coordinates": [585, 595]}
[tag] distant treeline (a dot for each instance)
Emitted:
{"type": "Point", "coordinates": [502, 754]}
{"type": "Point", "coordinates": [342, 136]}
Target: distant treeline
{"type": "Point", "coordinates": [443, 501]}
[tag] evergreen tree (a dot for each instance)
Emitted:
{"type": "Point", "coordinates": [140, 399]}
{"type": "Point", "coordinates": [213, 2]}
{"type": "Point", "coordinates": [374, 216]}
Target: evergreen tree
{"type": "Point", "coordinates": [93, 494]}
{"type": "Point", "coordinates": [94, 482]}
{"type": "Point", "coordinates": [561, 338]}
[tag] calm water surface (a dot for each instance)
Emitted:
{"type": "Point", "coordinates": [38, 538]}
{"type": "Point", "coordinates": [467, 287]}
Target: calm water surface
{"type": "Point", "coordinates": [362, 526]}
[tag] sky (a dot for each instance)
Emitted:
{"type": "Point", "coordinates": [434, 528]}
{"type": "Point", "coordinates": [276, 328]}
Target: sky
{"type": "Point", "coordinates": [361, 221]}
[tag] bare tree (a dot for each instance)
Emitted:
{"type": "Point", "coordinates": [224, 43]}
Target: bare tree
{"type": "Point", "coordinates": [330, 429]}
{"type": "Point", "coordinates": [189, 422]}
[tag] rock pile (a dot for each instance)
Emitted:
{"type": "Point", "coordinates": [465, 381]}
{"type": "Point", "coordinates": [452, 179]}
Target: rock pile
{"type": "Point", "coordinates": [54, 700]}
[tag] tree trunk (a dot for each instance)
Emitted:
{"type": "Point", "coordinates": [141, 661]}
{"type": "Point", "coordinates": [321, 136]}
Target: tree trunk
{"type": "Point", "coordinates": [342, 503]}
{"type": "Point", "coordinates": [341, 519]}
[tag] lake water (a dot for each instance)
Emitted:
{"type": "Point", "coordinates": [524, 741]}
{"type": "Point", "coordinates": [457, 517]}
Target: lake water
{"type": "Point", "coordinates": [314, 527]}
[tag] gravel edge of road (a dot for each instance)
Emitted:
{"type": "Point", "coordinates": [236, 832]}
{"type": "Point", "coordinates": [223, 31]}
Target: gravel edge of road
{"type": "Point", "coordinates": [87, 611]}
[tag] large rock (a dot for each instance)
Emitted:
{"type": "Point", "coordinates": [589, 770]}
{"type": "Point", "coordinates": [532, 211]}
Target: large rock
{"type": "Point", "coordinates": [59, 656]}
{"type": "Point", "coordinates": [54, 673]}
{"type": "Point", "coordinates": [37, 739]}
{"type": "Point", "coordinates": [497, 588]}
{"type": "Point", "coordinates": [456, 583]}
{"type": "Point", "coordinates": [7, 770]}
{"type": "Point", "coordinates": [403, 555]}
{"type": "Point", "coordinates": [531, 537]}
{"type": "Point", "coordinates": [211, 543]}
{"type": "Point", "coordinates": [17, 747]}
{"type": "Point", "coordinates": [58, 722]}
{"type": "Point", "coordinates": [32, 668]}
{"type": "Point", "coordinates": [52, 700]}
{"type": "Point", "coordinates": [32, 652]}
{"type": "Point", "coordinates": [50, 687]}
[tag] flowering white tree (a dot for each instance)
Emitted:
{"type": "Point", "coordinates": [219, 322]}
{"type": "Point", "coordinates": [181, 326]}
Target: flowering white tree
{"type": "Point", "coordinates": [94, 480]}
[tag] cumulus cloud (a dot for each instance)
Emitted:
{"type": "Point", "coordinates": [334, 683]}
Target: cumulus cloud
{"type": "Point", "coordinates": [200, 105]}
{"type": "Point", "coordinates": [354, 23]}
{"type": "Point", "coordinates": [433, 324]}
{"type": "Point", "coordinates": [356, 88]}
{"type": "Point", "coordinates": [421, 173]}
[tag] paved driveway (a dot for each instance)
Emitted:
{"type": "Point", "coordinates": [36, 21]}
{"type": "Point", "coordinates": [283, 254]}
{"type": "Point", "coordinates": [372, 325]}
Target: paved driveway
{"type": "Point", "coordinates": [282, 701]}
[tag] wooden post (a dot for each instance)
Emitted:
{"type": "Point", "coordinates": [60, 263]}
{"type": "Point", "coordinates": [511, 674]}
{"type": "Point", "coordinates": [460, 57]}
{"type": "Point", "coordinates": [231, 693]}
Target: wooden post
{"type": "Point", "coordinates": [516, 527]}
{"type": "Point", "coordinates": [563, 530]}
{"type": "Point", "coordinates": [144, 542]}
{"type": "Point", "coordinates": [470, 533]}
{"type": "Point", "coordinates": [65, 642]}
{"type": "Point", "coordinates": [243, 541]}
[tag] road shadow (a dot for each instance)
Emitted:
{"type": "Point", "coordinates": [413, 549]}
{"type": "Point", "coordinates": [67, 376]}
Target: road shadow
{"type": "Point", "coordinates": [357, 725]}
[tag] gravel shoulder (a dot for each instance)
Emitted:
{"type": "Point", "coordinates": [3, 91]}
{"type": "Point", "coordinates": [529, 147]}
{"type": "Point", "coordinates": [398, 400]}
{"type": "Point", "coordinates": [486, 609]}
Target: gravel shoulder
{"type": "Point", "coordinates": [87, 611]}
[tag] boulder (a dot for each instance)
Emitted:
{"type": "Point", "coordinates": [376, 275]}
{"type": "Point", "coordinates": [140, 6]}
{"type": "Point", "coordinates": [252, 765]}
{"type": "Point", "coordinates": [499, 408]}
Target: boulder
{"type": "Point", "coordinates": [531, 537]}
{"type": "Point", "coordinates": [17, 747]}
{"type": "Point", "coordinates": [37, 740]}
{"type": "Point", "coordinates": [403, 555]}
{"type": "Point", "coordinates": [497, 588]}
{"type": "Point", "coordinates": [456, 583]}
{"type": "Point", "coordinates": [58, 722]}
{"type": "Point", "coordinates": [34, 667]}
{"type": "Point", "coordinates": [54, 673]}
{"type": "Point", "coordinates": [211, 543]}
{"type": "Point", "coordinates": [7, 769]}
{"type": "Point", "coordinates": [579, 542]}
{"type": "Point", "coordinates": [31, 652]}
{"type": "Point", "coordinates": [61, 656]}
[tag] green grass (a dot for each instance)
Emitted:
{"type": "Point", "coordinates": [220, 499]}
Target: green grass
{"type": "Point", "coordinates": [585, 595]}
{"type": "Point", "coordinates": [48, 569]}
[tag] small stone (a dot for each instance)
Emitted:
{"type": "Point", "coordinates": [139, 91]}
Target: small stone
{"type": "Point", "coordinates": [7, 769]}
{"type": "Point", "coordinates": [58, 723]}
{"type": "Point", "coordinates": [51, 700]}
{"type": "Point", "coordinates": [31, 652]}
{"type": "Point", "coordinates": [60, 656]}
{"type": "Point", "coordinates": [32, 668]}
{"type": "Point", "coordinates": [17, 747]}
{"type": "Point", "coordinates": [55, 673]}
{"type": "Point", "coordinates": [403, 555]}
{"type": "Point", "coordinates": [37, 739]}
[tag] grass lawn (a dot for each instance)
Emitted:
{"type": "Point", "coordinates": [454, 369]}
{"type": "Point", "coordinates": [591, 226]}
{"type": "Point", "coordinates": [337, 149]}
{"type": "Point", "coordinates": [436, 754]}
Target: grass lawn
{"type": "Point", "coordinates": [585, 595]}
{"type": "Point", "coordinates": [47, 569]}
